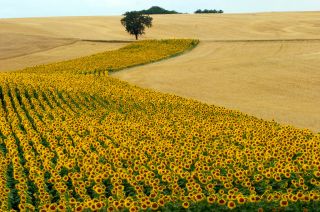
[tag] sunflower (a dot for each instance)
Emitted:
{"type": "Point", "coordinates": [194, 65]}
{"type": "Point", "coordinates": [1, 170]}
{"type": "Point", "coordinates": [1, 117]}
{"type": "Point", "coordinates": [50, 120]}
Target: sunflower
{"type": "Point", "coordinates": [144, 206]}
{"type": "Point", "coordinates": [221, 202]}
{"type": "Point", "coordinates": [161, 202]}
{"type": "Point", "coordinates": [21, 207]}
{"type": "Point", "coordinates": [127, 204]}
{"type": "Point", "coordinates": [133, 209]}
{"type": "Point", "coordinates": [287, 175]}
{"type": "Point", "coordinates": [154, 206]}
{"type": "Point", "coordinates": [198, 197]}
{"type": "Point", "coordinates": [284, 203]}
{"type": "Point", "coordinates": [315, 197]}
{"type": "Point", "coordinates": [53, 207]}
{"type": "Point", "coordinates": [300, 195]}
{"type": "Point", "coordinates": [61, 207]}
{"type": "Point", "coordinates": [231, 205]}
{"type": "Point", "coordinates": [185, 205]}
{"type": "Point", "coordinates": [241, 200]}
{"type": "Point", "coordinates": [99, 205]}
{"type": "Point", "coordinates": [210, 199]}
{"type": "Point", "coordinates": [253, 198]}
{"type": "Point", "coordinates": [111, 208]}
{"type": "Point", "coordinates": [294, 198]}
{"type": "Point", "coordinates": [306, 198]}
{"type": "Point", "coordinates": [79, 208]}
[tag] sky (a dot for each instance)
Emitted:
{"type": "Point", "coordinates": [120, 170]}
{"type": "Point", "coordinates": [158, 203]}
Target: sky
{"type": "Point", "coordinates": [45, 8]}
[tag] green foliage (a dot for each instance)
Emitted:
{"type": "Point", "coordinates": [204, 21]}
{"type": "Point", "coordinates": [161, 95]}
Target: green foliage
{"type": "Point", "coordinates": [3, 148]}
{"type": "Point", "coordinates": [128, 189]}
{"type": "Point", "coordinates": [109, 187]}
{"type": "Point", "coordinates": [147, 190]}
{"type": "Point", "coordinates": [90, 190]}
{"type": "Point", "coordinates": [32, 189]}
{"type": "Point", "coordinates": [50, 188]}
{"type": "Point", "coordinates": [63, 172]}
{"type": "Point", "coordinates": [13, 197]}
{"type": "Point", "coordinates": [157, 10]}
{"type": "Point", "coordinates": [208, 11]}
{"type": "Point", "coordinates": [135, 23]}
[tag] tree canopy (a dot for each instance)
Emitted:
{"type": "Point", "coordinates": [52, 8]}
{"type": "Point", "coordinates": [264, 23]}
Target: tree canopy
{"type": "Point", "coordinates": [208, 11]}
{"type": "Point", "coordinates": [158, 10]}
{"type": "Point", "coordinates": [136, 23]}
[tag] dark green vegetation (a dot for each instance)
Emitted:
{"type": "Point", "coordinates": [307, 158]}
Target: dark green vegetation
{"type": "Point", "coordinates": [208, 11]}
{"type": "Point", "coordinates": [135, 23]}
{"type": "Point", "coordinates": [157, 10]}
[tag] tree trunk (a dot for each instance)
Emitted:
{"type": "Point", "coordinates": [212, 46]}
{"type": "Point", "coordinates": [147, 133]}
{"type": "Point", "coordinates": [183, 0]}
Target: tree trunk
{"type": "Point", "coordinates": [136, 36]}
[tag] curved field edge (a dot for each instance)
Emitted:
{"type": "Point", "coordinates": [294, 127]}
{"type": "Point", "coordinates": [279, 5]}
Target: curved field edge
{"type": "Point", "coordinates": [89, 142]}
{"type": "Point", "coordinates": [193, 44]}
{"type": "Point", "coordinates": [134, 54]}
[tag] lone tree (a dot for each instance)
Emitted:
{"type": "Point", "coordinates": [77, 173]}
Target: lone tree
{"type": "Point", "coordinates": [135, 23]}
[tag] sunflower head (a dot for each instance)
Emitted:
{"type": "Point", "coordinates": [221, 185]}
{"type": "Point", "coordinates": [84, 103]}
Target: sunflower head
{"type": "Point", "coordinates": [231, 205]}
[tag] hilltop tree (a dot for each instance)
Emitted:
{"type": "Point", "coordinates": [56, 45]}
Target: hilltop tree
{"type": "Point", "coordinates": [135, 23]}
{"type": "Point", "coordinates": [158, 10]}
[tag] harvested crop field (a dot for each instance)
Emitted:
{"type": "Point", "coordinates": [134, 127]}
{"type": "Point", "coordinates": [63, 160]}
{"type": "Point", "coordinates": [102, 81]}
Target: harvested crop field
{"type": "Point", "coordinates": [268, 79]}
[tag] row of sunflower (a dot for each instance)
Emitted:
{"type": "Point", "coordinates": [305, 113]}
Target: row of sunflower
{"type": "Point", "coordinates": [74, 142]}
{"type": "Point", "coordinates": [137, 53]}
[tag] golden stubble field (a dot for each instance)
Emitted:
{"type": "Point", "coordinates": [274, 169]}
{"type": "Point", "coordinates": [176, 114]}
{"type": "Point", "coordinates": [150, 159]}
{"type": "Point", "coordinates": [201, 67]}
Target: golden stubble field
{"type": "Point", "coordinates": [265, 65]}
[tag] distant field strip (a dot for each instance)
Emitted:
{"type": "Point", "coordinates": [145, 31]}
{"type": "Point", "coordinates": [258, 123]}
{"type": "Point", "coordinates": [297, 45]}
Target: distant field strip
{"type": "Point", "coordinates": [109, 41]}
{"type": "Point", "coordinates": [14, 45]}
{"type": "Point", "coordinates": [264, 40]}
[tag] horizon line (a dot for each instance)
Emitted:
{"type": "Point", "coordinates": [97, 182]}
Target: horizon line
{"type": "Point", "coordinates": [186, 13]}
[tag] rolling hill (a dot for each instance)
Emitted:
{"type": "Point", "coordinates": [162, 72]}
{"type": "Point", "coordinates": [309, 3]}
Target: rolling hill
{"type": "Point", "coordinates": [262, 64]}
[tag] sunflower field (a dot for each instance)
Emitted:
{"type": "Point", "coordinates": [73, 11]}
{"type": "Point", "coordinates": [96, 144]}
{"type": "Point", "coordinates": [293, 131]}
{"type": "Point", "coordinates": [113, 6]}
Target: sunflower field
{"type": "Point", "coordinates": [73, 138]}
